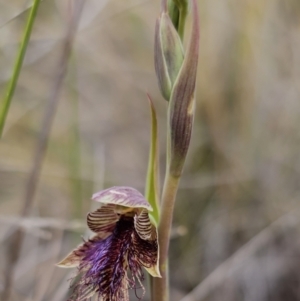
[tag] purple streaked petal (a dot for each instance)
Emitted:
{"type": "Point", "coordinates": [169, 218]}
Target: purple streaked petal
{"type": "Point", "coordinates": [124, 196]}
{"type": "Point", "coordinates": [103, 261]}
{"type": "Point", "coordinates": [143, 226]}
{"type": "Point", "coordinates": [146, 253]}
{"type": "Point", "coordinates": [70, 261]}
{"type": "Point", "coordinates": [103, 220]}
{"type": "Point", "coordinates": [103, 266]}
{"type": "Point", "coordinates": [74, 258]}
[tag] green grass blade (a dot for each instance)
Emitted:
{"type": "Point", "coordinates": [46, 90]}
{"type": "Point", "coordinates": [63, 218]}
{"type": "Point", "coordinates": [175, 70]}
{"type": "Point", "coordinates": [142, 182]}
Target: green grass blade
{"type": "Point", "coordinates": [75, 146]}
{"type": "Point", "coordinates": [18, 65]}
{"type": "Point", "coordinates": [151, 191]}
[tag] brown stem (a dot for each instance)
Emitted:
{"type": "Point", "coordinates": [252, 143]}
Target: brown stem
{"type": "Point", "coordinates": [161, 285]}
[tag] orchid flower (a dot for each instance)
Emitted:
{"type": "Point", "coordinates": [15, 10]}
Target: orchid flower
{"type": "Point", "coordinates": [125, 239]}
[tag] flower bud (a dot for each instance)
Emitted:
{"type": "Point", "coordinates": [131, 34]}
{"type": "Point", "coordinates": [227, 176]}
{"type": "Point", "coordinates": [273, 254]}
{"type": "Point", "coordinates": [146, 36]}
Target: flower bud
{"type": "Point", "coordinates": [173, 13]}
{"type": "Point", "coordinates": [182, 102]}
{"type": "Point", "coordinates": [178, 10]}
{"type": "Point", "coordinates": [168, 54]}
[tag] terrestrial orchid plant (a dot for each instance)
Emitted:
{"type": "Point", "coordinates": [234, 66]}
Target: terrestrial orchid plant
{"type": "Point", "coordinates": [132, 231]}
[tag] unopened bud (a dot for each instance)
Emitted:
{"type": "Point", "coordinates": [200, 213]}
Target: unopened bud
{"type": "Point", "coordinates": [174, 13]}
{"type": "Point", "coordinates": [178, 10]}
{"type": "Point", "coordinates": [168, 54]}
{"type": "Point", "coordinates": [182, 102]}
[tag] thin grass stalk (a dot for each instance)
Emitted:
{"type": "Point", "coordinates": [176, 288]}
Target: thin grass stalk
{"type": "Point", "coordinates": [40, 152]}
{"type": "Point", "coordinates": [75, 147]}
{"type": "Point", "coordinates": [18, 65]}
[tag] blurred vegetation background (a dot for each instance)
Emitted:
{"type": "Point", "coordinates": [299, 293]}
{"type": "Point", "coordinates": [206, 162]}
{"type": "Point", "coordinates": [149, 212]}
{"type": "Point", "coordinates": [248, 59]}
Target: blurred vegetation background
{"type": "Point", "coordinates": [236, 225]}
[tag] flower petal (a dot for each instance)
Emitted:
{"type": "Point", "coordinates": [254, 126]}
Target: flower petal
{"type": "Point", "coordinates": [124, 196]}
{"type": "Point", "coordinates": [154, 270]}
{"type": "Point", "coordinates": [146, 253]}
{"type": "Point", "coordinates": [143, 225]}
{"type": "Point", "coordinates": [102, 220]}
{"type": "Point", "coordinates": [103, 267]}
{"type": "Point", "coordinates": [74, 258]}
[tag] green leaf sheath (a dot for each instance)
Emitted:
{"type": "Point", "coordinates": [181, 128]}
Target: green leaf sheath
{"type": "Point", "coordinates": [152, 189]}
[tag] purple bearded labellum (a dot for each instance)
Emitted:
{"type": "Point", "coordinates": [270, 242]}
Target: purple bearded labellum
{"type": "Point", "coordinates": [125, 240]}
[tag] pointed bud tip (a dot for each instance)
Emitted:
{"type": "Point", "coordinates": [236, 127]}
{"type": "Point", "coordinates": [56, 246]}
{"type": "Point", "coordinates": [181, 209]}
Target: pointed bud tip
{"type": "Point", "coordinates": [168, 54]}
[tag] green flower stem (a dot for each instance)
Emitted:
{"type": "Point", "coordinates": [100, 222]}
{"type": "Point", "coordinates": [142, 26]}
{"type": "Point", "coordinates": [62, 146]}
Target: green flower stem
{"type": "Point", "coordinates": [161, 285]}
{"type": "Point", "coordinates": [18, 65]}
